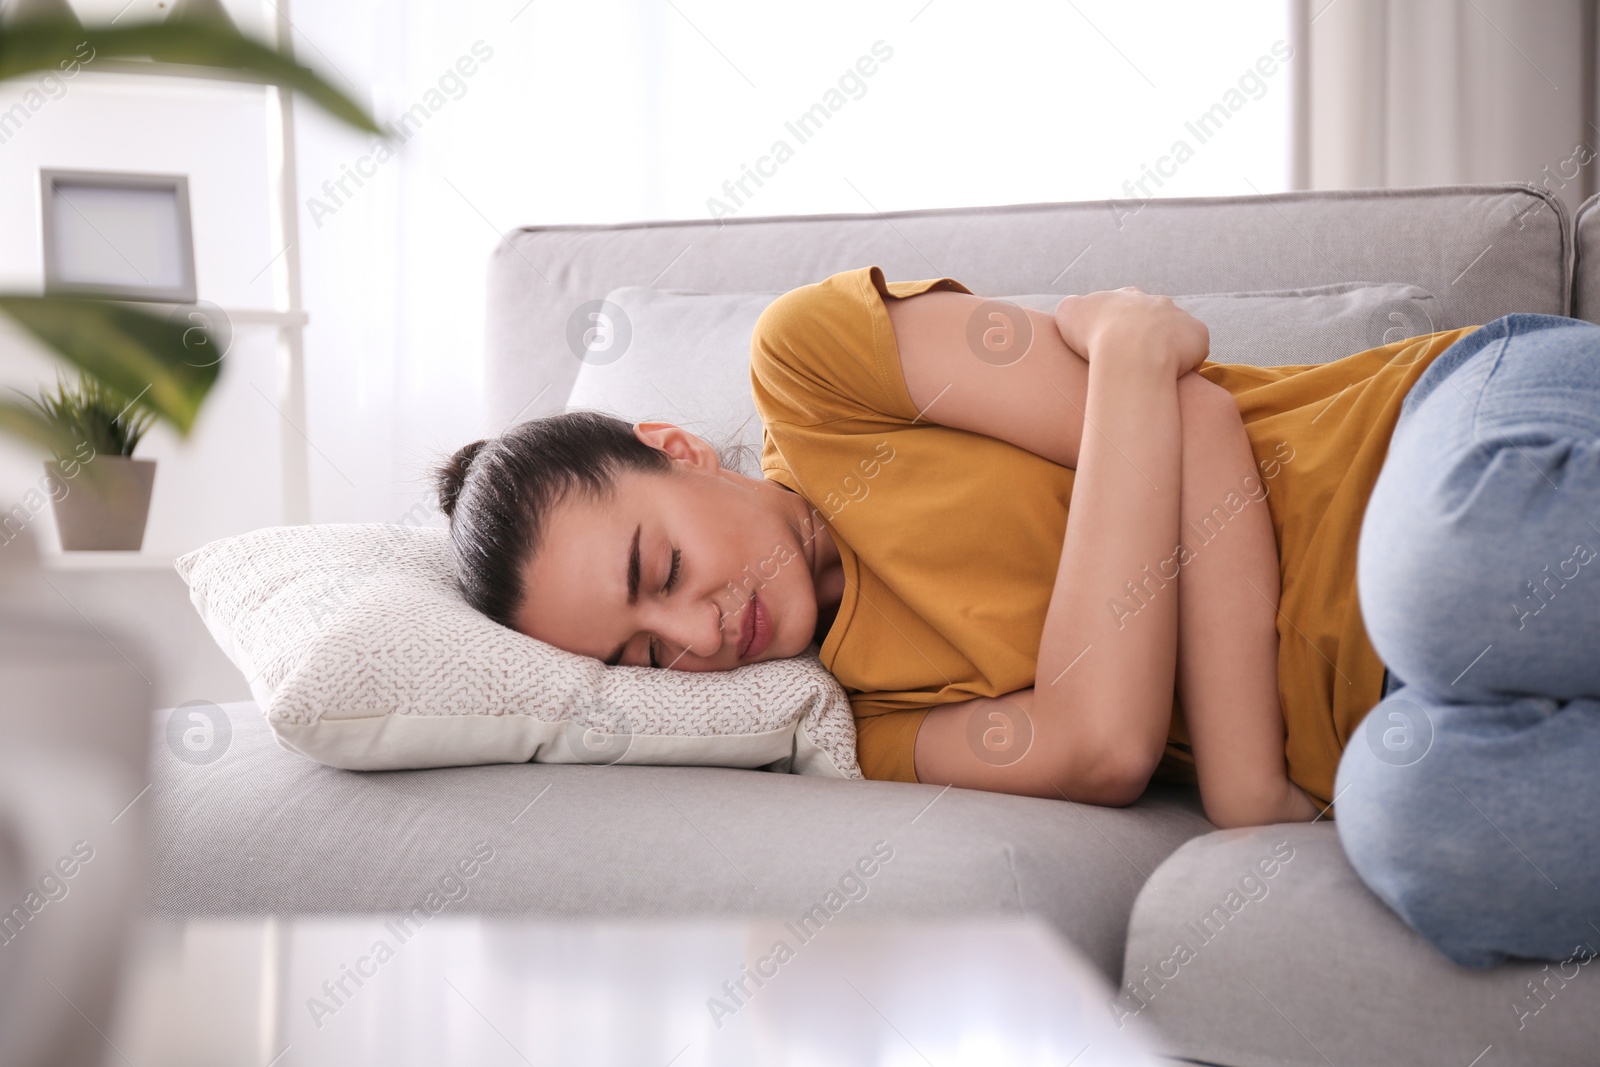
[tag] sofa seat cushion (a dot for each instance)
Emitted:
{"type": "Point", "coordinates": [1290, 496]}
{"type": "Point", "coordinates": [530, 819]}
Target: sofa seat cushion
{"type": "Point", "coordinates": [257, 829]}
{"type": "Point", "coordinates": [1304, 967]}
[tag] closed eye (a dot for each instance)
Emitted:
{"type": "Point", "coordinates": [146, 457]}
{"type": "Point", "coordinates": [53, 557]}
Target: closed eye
{"type": "Point", "coordinates": [672, 578]}
{"type": "Point", "coordinates": [672, 581]}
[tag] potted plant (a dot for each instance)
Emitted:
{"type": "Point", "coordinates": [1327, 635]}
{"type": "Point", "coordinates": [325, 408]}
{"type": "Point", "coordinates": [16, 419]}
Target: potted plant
{"type": "Point", "coordinates": [100, 494]}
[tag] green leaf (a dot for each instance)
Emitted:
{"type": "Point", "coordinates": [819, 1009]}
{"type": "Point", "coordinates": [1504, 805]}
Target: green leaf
{"type": "Point", "coordinates": [156, 361]}
{"type": "Point", "coordinates": [57, 44]}
{"type": "Point", "coordinates": [24, 421]}
{"type": "Point", "coordinates": [90, 411]}
{"type": "Point", "coordinates": [73, 455]}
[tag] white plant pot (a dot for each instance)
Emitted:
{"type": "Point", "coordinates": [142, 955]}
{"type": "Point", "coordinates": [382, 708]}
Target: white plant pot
{"type": "Point", "coordinates": [105, 508]}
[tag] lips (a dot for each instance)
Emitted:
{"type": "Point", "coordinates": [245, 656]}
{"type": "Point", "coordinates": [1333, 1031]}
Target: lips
{"type": "Point", "coordinates": [755, 629]}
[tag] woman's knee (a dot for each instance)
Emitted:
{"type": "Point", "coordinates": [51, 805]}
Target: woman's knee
{"type": "Point", "coordinates": [1463, 819]}
{"type": "Point", "coordinates": [1413, 565]}
{"type": "Point", "coordinates": [1394, 810]}
{"type": "Point", "coordinates": [1577, 345]}
{"type": "Point", "coordinates": [1457, 555]}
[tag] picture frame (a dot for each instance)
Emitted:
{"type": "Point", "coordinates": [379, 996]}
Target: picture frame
{"type": "Point", "coordinates": [116, 234]}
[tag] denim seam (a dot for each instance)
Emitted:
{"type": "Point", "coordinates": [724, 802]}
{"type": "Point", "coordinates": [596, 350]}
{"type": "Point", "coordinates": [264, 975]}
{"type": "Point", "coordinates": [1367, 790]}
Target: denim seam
{"type": "Point", "coordinates": [1499, 356]}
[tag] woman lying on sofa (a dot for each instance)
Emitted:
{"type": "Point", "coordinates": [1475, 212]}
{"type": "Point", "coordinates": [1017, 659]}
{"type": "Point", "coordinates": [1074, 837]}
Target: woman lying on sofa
{"type": "Point", "coordinates": [1197, 620]}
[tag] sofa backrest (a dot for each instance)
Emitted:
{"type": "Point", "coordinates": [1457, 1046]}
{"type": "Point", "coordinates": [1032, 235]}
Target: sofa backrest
{"type": "Point", "coordinates": [1482, 251]}
{"type": "Point", "coordinates": [1586, 261]}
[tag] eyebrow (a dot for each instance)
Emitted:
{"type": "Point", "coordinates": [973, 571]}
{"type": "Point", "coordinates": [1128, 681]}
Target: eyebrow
{"type": "Point", "coordinates": [633, 590]}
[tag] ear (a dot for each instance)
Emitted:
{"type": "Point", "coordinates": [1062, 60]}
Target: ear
{"type": "Point", "coordinates": [678, 443]}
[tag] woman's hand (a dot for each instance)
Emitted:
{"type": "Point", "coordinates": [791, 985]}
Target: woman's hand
{"type": "Point", "coordinates": [1126, 324]}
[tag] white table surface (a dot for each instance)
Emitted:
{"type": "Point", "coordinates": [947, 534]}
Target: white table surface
{"type": "Point", "coordinates": [485, 992]}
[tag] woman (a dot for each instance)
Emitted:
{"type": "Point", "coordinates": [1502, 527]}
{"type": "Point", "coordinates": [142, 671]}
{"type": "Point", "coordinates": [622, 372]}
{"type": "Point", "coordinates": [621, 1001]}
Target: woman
{"type": "Point", "coordinates": [912, 523]}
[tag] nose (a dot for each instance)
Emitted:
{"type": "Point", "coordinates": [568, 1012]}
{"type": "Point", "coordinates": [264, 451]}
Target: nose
{"type": "Point", "coordinates": [693, 631]}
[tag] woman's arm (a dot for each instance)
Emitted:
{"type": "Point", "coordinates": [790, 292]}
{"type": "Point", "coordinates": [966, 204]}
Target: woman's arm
{"type": "Point", "coordinates": [1100, 710]}
{"type": "Point", "coordinates": [1226, 580]}
{"type": "Point", "coordinates": [1106, 680]}
{"type": "Point", "coordinates": [1227, 643]}
{"type": "Point", "coordinates": [1033, 401]}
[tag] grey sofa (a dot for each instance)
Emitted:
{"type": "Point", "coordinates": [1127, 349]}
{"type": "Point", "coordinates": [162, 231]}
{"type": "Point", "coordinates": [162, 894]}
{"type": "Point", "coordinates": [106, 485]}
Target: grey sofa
{"type": "Point", "coordinates": [1311, 969]}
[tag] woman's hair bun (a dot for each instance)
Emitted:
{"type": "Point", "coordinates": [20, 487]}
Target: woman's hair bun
{"type": "Point", "coordinates": [451, 475]}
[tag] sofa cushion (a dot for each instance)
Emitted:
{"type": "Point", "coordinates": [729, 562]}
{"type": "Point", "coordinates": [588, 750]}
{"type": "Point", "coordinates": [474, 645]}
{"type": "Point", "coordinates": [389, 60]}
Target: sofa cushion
{"type": "Point", "coordinates": [1313, 325]}
{"type": "Point", "coordinates": [366, 656]}
{"type": "Point", "coordinates": [1304, 966]}
{"type": "Point", "coordinates": [684, 357]}
{"type": "Point", "coordinates": [1483, 251]}
{"type": "Point", "coordinates": [256, 829]}
{"type": "Point", "coordinates": [680, 357]}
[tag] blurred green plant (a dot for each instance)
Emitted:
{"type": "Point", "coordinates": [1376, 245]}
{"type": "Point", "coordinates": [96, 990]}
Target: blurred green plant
{"type": "Point", "coordinates": [132, 352]}
{"type": "Point", "coordinates": [91, 412]}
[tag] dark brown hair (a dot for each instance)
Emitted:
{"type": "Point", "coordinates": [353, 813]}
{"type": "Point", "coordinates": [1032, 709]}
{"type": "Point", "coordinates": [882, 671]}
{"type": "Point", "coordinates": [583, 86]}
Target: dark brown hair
{"type": "Point", "coordinates": [498, 492]}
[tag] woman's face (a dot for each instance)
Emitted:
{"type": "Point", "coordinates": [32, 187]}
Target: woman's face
{"type": "Point", "coordinates": [737, 542]}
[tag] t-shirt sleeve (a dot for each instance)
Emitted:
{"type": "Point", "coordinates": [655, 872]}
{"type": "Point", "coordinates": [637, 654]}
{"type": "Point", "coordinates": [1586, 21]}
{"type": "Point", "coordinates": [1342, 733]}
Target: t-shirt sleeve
{"type": "Point", "coordinates": [886, 743]}
{"type": "Point", "coordinates": [825, 354]}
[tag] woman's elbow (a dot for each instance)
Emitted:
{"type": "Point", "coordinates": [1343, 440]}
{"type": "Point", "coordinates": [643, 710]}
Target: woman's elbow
{"type": "Point", "coordinates": [1109, 777]}
{"type": "Point", "coordinates": [1117, 787]}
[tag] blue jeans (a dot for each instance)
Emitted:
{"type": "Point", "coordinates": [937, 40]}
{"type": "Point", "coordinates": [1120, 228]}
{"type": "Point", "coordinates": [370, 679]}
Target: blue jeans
{"type": "Point", "coordinates": [1469, 798]}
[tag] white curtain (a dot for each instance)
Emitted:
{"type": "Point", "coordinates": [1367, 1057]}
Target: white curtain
{"type": "Point", "coordinates": [1433, 92]}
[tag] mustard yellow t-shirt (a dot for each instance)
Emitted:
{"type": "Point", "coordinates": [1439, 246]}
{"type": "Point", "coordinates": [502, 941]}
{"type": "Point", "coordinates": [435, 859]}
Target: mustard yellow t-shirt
{"type": "Point", "coordinates": [950, 540]}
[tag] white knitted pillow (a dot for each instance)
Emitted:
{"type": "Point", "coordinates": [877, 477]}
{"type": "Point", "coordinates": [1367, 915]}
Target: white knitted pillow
{"type": "Point", "coordinates": [364, 655]}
